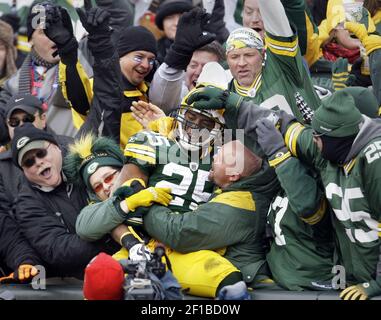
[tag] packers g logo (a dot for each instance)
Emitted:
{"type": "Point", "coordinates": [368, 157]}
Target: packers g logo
{"type": "Point", "coordinates": [91, 169]}
{"type": "Point", "coordinates": [22, 142]}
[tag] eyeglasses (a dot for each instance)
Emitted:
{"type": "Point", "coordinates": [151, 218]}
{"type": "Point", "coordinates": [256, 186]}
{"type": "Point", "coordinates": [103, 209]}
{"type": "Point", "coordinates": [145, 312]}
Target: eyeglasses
{"type": "Point", "coordinates": [139, 59]}
{"type": "Point", "coordinates": [15, 122]}
{"type": "Point", "coordinates": [40, 154]}
{"type": "Point", "coordinates": [106, 180]}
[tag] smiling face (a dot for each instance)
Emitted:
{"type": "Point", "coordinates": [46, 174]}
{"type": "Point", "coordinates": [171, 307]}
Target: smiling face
{"type": "Point", "coordinates": [251, 17]}
{"type": "Point", "coordinates": [44, 46]}
{"type": "Point", "coordinates": [198, 120]}
{"type": "Point", "coordinates": [136, 65]}
{"type": "Point", "coordinates": [46, 171]}
{"type": "Point", "coordinates": [194, 68]}
{"type": "Point", "coordinates": [245, 64]}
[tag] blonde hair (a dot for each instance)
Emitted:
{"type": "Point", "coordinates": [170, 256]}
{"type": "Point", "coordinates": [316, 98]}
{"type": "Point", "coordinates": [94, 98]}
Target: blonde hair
{"type": "Point", "coordinates": [7, 38]}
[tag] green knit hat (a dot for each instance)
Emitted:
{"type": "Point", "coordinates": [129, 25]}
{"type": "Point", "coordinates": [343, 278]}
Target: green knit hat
{"type": "Point", "coordinates": [365, 100]}
{"type": "Point", "coordinates": [89, 153]}
{"type": "Point", "coordinates": [337, 116]}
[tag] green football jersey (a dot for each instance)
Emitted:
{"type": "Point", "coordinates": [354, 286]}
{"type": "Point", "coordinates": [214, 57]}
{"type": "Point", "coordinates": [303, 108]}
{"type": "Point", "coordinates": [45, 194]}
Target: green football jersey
{"type": "Point", "coordinates": [301, 255]}
{"type": "Point", "coordinates": [353, 192]}
{"type": "Point", "coordinates": [169, 166]}
{"type": "Point", "coordinates": [284, 81]}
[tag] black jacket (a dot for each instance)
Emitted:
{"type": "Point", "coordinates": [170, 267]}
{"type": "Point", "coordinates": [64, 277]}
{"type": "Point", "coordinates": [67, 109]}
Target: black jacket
{"type": "Point", "coordinates": [47, 220]}
{"type": "Point", "coordinates": [14, 249]}
{"type": "Point", "coordinates": [113, 96]}
{"type": "Point", "coordinates": [10, 179]}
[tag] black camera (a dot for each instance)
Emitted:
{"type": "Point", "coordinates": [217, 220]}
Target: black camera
{"type": "Point", "coordinates": [143, 277]}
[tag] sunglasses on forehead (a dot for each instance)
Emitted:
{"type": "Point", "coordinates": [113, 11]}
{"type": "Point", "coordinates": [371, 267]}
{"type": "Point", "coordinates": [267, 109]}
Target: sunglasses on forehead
{"type": "Point", "coordinates": [31, 159]}
{"type": "Point", "coordinates": [15, 122]}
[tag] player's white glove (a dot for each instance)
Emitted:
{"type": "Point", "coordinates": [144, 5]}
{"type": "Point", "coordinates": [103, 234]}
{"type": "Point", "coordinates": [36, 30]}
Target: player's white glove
{"type": "Point", "coordinates": [139, 252]}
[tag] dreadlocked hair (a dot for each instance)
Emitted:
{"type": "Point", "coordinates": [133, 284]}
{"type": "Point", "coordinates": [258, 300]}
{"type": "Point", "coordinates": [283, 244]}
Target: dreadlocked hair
{"type": "Point", "coordinates": [85, 149]}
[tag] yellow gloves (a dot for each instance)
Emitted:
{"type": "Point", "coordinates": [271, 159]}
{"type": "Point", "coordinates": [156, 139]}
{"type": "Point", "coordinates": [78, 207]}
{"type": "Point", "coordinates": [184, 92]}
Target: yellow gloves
{"type": "Point", "coordinates": [148, 196]}
{"type": "Point", "coordinates": [24, 272]}
{"type": "Point", "coordinates": [370, 42]}
{"type": "Point", "coordinates": [356, 292]}
{"type": "Point", "coordinates": [162, 125]}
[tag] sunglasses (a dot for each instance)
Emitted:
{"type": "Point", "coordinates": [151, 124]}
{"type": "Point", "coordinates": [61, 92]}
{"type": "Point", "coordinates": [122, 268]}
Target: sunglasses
{"type": "Point", "coordinates": [106, 180]}
{"type": "Point", "coordinates": [30, 161]}
{"type": "Point", "coordinates": [15, 122]}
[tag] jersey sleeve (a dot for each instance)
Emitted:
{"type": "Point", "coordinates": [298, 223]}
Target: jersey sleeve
{"type": "Point", "coordinates": [299, 140]}
{"type": "Point", "coordinates": [296, 179]}
{"type": "Point", "coordinates": [283, 55]}
{"type": "Point", "coordinates": [371, 157]}
{"type": "Point", "coordinates": [142, 149]}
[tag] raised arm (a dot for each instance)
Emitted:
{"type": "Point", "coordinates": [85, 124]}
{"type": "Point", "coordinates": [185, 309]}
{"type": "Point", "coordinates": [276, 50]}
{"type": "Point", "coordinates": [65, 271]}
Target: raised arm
{"type": "Point", "coordinates": [274, 18]}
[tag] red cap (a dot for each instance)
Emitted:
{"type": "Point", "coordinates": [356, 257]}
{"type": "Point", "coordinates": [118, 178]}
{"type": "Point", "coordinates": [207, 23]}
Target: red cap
{"type": "Point", "coordinates": [104, 279]}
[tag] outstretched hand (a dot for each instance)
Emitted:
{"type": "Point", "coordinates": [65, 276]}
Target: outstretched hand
{"type": "Point", "coordinates": [145, 113]}
{"type": "Point", "coordinates": [59, 29]}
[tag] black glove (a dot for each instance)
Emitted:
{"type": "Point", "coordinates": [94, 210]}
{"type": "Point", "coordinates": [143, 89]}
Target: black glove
{"type": "Point", "coordinates": [96, 23]}
{"type": "Point", "coordinates": [210, 97]}
{"type": "Point", "coordinates": [129, 188]}
{"type": "Point", "coordinates": [271, 141]}
{"type": "Point", "coordinates": [59, 29]}
{"type": "Point", "coordinates": [216, 23]}
{"type": "Point", "coordinates": [190, 35]}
